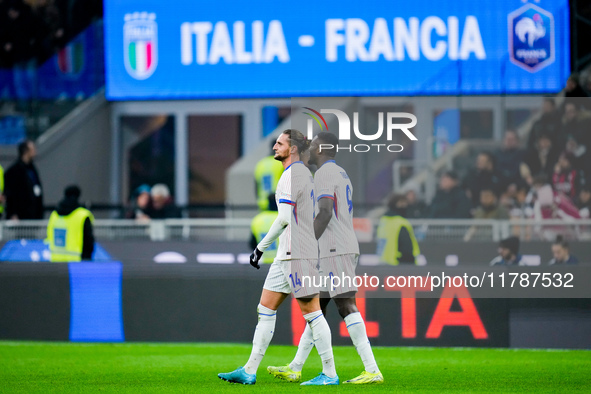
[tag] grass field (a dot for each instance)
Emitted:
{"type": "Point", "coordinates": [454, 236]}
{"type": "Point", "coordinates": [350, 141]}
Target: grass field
{"type": "Point", "coordinates": [64, 367]}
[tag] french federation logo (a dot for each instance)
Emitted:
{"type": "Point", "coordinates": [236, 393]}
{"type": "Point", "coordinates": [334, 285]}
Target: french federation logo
{"type": "Point", "coordinates": [140, 44]}
{"type": "Point", "coordinates": [531, 38]}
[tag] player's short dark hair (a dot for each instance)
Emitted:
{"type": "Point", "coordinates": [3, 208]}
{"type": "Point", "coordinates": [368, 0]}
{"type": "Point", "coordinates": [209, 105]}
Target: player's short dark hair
{"type": "Point", "coordinates": [23, 147]}
{"type": "Point", "coordinates": [296, 138]}
{"type": "Point", "coordinates": [330, 139]}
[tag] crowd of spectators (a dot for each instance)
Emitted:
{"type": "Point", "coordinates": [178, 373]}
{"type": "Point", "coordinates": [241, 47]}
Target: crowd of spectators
{"type": "Point", "coordinates": [547, 177]}
{"type": "Point", "coordinates": [35, 29]}
{"type": "Point", "coordinates": [152, 203]}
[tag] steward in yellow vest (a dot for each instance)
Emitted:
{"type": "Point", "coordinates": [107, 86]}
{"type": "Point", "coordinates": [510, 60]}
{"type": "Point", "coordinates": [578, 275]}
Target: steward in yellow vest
{"type": "Point", "coordinates": [260, 226]}
{"type": "Point", "coordinates": [266, 175]}
{"type": "Point", "coordinates": [396, 239]}
{"type": "Point", "coordinates": [69, 231]}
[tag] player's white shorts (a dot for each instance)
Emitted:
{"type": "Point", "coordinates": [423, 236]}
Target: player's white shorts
{"type": "Point", "coordinates": [342, 268]}
{"type": "Point", "coordinates": [299, 277]}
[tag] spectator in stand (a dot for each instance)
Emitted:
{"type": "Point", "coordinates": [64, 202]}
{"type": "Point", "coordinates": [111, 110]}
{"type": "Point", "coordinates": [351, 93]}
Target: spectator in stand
{"type": "Point", "coordinates": [551, 204]}
{"type": "Point", "coordinates": [489, 208]}
{"type": "Point", "coordinates": [541, 159]}
{"type": "Point", "coordinates": [162, 204]}
{"type": "Point", "coordinates": [561, 253]}
{"type": "Point", "coordinates": [140, 204]}
{"type": "Point", "coordinates": [584, 202]}
{"type": "Point", "coordinates": [582, 158]}
{"type": "Point", "coordinates": [416, 208]}
{"type": "Point", "coordinates": [566, 179]}
{"type": "Point", "coordinates": [549, 124]}
{"type": "Point", "coordinates": [484, 176]}
{"type": "Point", "coordinates": [509, 158]}
{"type": "Point", "coordinates": [519, 207]}
{"type": "Point", "coordinates": [24, 194]}
{"type": "Point", "coordinates": [508, 252]}
{"type": "Point", "coordinates": [573, 87]}
{"type": "Point", "coordinates": [576, 121]}
{"type": "Point", "coordinates": [450, 201]}
{"type": "Point", "coordinates": [586, 84]}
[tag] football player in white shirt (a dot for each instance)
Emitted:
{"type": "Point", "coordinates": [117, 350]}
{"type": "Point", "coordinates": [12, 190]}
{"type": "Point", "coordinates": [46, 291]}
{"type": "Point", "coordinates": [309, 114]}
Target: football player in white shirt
{"type": "Point", "coordinates": [297, 257]}
{"type": "Point", "coordinates": [339, 252]}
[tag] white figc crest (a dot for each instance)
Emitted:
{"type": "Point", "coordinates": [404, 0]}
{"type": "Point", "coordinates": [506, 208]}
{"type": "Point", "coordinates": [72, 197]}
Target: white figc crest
{"type": "Point", "coordinates": [140, 44]}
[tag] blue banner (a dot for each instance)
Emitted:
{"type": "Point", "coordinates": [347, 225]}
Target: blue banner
{"type": "Point", "coordinates": [96, 311]}
{"type": "Point", "coordinates": [182, 49]}
{"type": "Point", "coordinates": [446, 130]}
{"type": "Point", "coordinates": [38, 251]}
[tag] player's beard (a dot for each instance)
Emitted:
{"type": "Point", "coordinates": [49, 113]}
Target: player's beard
{"type": "Point", "coordinates": [279, 157]}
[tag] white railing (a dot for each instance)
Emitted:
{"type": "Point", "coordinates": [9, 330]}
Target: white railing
{"type": "Point", "coordinates": [235, 229]}
{"type": "Point", "coordinates": [155, 230]}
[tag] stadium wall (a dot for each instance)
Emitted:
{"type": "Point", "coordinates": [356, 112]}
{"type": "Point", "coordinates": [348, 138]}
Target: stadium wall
{"type": "Point", "coordinates": [76, 151]}
{"type": "Point", "coordinates": [436, 252]}
{"type": "Point", "coordinates": [112, 302]}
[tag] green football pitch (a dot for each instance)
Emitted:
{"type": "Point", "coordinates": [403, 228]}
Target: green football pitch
{"type": "Point", "coordinates": [139, 367]}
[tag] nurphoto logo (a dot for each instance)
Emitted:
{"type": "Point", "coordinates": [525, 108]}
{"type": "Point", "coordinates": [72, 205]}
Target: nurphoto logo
{"type": "Point", "coordinates": [344, 129]}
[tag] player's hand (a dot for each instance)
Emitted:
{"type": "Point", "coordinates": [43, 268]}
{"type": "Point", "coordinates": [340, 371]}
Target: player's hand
{"type": "Point", "coordinates": [255, 257]}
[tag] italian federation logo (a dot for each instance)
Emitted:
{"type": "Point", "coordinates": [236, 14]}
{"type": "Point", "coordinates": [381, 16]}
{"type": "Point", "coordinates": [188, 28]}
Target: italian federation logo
{"type": "Point", "coordinates": [70, 59]}
{"type": "Point", "coordinates": [531, 38]}
{"type": "Point", "coordinates": [140, 44]}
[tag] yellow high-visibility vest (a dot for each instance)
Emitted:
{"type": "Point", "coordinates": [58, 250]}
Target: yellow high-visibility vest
{"type": "Point", "coordinates": [260, 226]}
{"type": "Point", "coordinates": [267, 173]}
{"type": "Point", "coordinates": [388, 233]}
{"type": "Point", "coordinates": [65, 235]}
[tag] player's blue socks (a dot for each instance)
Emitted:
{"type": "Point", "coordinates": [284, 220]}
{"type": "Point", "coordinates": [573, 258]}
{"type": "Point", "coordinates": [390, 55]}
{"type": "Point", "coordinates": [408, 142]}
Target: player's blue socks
{"type": "Point", "coordinates": [262, 338]}
{"type": "Point", "coordinates": [358, 334]}
{"type": "Point", "coordinates": [322, 341]}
